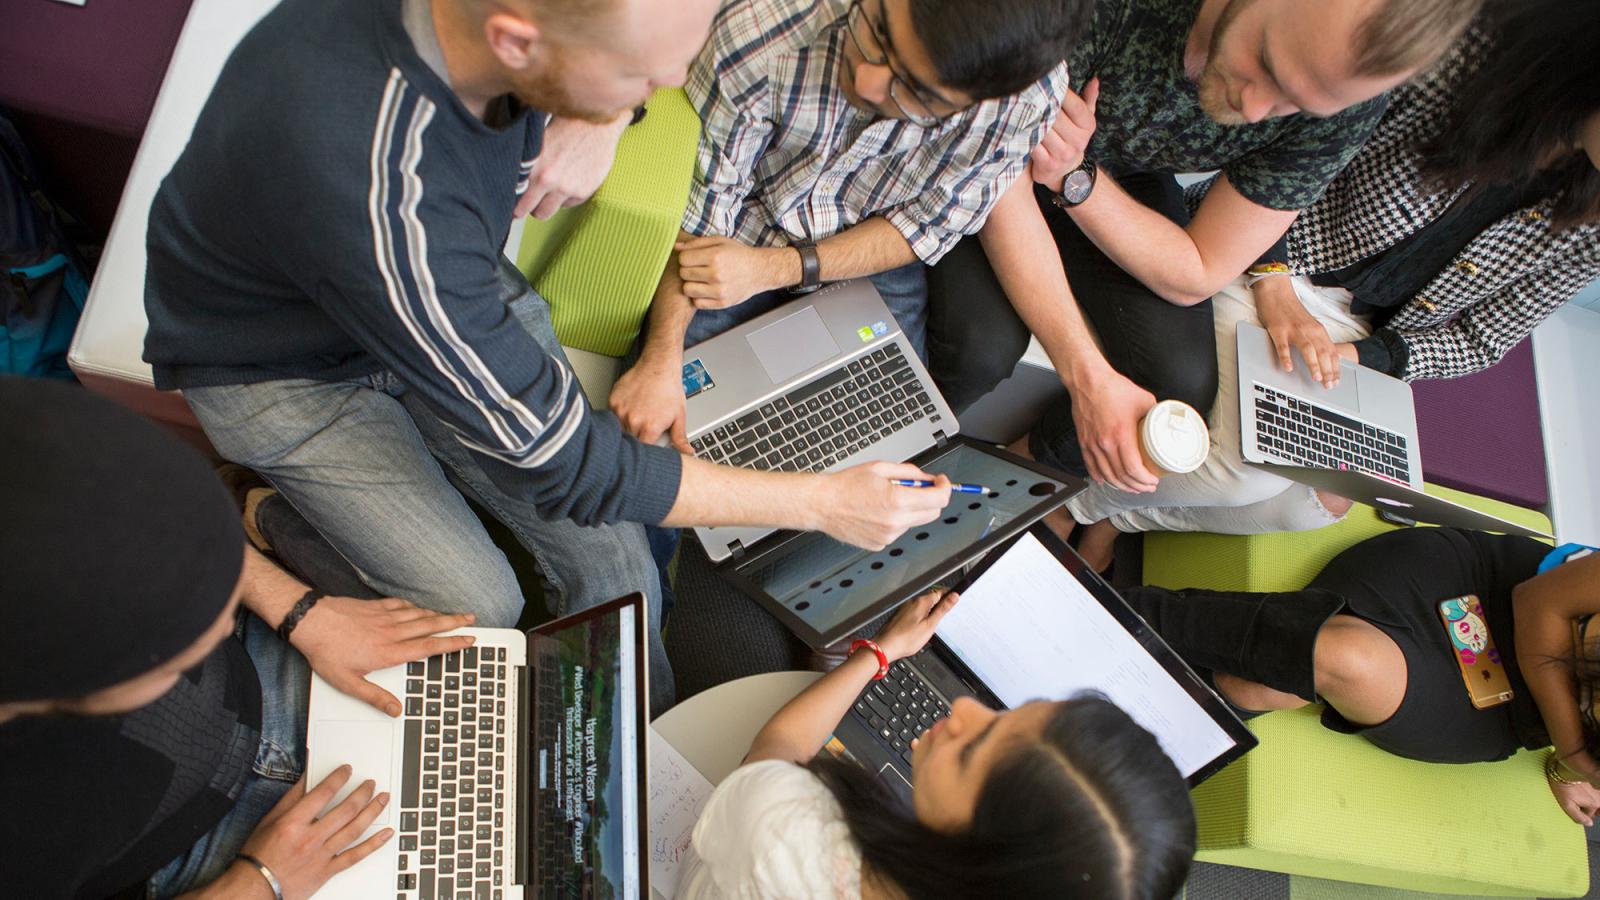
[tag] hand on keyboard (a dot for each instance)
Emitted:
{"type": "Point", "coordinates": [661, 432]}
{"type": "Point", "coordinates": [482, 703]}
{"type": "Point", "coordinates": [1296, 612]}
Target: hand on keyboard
{"type": "Point", "coordinates": [303, 846]}
{"type": "Point", "coordinates": [648, 399]}
{"type": "Point", "coordinates": [345, 640]}
{"type": "Point", "coordinates": [865, 510]}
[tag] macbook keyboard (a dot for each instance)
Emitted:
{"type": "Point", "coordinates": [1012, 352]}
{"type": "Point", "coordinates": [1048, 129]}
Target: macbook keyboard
{"type": "Point", "coordinates": [901, 706]}
{"type": "Point", "coordinates": [1306, 434]}
{"type": "Point", "coordinates": [833, 416]}
{"type": "Point", "coordinates": [452, 795]}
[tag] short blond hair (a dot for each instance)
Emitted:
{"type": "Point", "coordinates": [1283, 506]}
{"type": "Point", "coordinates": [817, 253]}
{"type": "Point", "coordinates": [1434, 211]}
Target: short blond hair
{"type": "Point", "coordinates": [1408, 35]}
{"type": "Point", "coordinates": [572, 17]}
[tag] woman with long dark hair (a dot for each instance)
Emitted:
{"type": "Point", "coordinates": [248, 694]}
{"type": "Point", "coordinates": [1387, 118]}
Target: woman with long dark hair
{"type": "Point", "coordinates": [1052, 799]}
{"type": "Point", "coordinates": [1369, 638]}
{"type": "Point", "coordinates": [1470, 215]}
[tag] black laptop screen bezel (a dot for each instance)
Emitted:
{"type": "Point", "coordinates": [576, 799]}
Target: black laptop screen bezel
{"type": "Point", "coordinates": [642, 691]}
{"type": "Point", "coordinates": [729, 569]}
{"type": "Point", "coordinates": [1243, 738]}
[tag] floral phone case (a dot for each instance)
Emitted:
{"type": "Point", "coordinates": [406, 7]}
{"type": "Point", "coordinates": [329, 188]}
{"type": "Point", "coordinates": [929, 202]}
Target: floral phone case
{"type": "Point", "coordinates": [1481, 668]}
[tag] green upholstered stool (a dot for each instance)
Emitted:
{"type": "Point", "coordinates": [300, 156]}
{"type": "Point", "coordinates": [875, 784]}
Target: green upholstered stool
{"type": "Point", "coordinates": [1313, 802]}
{"type": "Point", "coordinates": [598, 263]}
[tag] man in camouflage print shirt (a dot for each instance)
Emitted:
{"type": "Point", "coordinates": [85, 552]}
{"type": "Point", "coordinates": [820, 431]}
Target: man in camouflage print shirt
{"type": "Point", "coordinates": [1276, 94]}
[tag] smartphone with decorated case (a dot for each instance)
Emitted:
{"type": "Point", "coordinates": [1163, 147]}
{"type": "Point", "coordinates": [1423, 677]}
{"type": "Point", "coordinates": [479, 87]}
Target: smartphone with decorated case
{"type": "Point", "coordinates": [1473, 646]}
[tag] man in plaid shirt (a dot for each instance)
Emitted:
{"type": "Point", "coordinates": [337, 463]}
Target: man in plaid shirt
{"type": "Point", "coordinates": [873, 133]}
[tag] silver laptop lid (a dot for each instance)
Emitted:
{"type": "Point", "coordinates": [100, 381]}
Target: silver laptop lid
{"type": "Point", "coordinates": [819, 384]}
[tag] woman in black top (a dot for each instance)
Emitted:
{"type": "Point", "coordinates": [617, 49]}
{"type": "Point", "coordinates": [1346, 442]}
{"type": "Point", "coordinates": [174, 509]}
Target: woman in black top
{"type": "Point", "coordinates": [1366, 637]}
{"type": "Point", "coordinates": [151, 730]}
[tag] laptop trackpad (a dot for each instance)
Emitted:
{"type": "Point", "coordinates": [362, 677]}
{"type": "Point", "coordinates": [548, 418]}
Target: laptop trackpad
{"type": "Point", "coordinates": [367, 747]}
{"type": "Point", "coordinates": [793, 344]}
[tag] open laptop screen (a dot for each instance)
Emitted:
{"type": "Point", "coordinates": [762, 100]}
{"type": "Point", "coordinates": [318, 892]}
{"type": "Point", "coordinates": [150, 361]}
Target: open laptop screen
{"type": "Point", "coordinates": [1029, 629]}
{"type": "Point", "coordinates": [586, 728]}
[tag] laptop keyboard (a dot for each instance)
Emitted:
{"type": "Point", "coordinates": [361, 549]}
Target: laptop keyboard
{"type": "Point", "coordinates": [835, 415]}
{"type": "Point", "coordinates": [1309, 435]}
{"type": "Point", "coordinates": [900, 707]}
{"type": "Point", "coordinates": [452, 796]}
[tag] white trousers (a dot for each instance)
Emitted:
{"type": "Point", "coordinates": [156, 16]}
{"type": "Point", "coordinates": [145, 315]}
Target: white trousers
{"type": "Point", "coordinates": [1226, 495]}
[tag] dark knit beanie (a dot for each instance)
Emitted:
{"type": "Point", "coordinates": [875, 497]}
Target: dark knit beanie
{"type": "Point", "coordinates": [119, 547]}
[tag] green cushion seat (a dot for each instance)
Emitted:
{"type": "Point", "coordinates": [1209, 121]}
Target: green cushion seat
{"type": "Point", "coordinates": [1309, 801]}
{"type": "Point", "coordinates": [598, 263]}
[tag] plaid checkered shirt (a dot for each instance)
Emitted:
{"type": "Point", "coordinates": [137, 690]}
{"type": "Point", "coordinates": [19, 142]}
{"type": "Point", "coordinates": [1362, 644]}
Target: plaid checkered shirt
{"type": "Point", "coordinates": [784, 156]}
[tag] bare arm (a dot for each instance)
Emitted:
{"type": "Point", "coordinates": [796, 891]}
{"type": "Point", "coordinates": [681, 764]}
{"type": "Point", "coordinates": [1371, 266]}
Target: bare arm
{"type": "Point", "coordinates": [798, 730]}
{"type": "Point", "coordinates": [1544, 609]}
{"type": "Point", "coordinates": [858, 505]}
{"type": "Point", "coordinates": [719, 272]}
{"type": "Point", "coordinates": [344, 639]}
{"type": "Point", "coordinates": [1105, 404]}
{"type": "Point", "coordinates": [648, 398]}
{"type": "Point", "coordinates": [1183, 265]}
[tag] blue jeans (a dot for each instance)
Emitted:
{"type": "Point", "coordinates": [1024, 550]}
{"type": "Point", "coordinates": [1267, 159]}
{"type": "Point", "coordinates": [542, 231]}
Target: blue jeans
{"type": "Point", "coordinates": [386, 483]}
{"type": "Point", "coordinates": [904, 290]}
{"type": "Point", "coordinates": [279, 763]}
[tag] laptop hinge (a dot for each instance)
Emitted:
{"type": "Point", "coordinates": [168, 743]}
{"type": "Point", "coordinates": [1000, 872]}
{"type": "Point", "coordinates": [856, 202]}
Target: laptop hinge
{"type": "Point", "coordinates": [737, 549]}
{"type": "Point", "coordinates": [525, 774]}
{"type": "Point", "coordinates": [940, 438]}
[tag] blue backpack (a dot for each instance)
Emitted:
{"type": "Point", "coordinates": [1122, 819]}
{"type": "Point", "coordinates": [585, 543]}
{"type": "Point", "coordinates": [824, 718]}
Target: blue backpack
{"type": "Point", "coordinates": [43, 277]}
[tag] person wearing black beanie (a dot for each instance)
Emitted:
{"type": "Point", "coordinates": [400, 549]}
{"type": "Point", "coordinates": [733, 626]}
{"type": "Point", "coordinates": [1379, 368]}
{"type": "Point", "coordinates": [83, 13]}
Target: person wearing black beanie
{"type": "Point", "coordinates": [152, 721]}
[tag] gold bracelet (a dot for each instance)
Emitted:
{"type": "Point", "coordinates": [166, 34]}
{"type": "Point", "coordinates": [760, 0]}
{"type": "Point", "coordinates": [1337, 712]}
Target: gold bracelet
{"type": "Point", "coordinates": [1553, 775]}
{"type": "Point", "coordinates": [1257, 273]}
{"type": "Point", "coordinates": [1560, 764]}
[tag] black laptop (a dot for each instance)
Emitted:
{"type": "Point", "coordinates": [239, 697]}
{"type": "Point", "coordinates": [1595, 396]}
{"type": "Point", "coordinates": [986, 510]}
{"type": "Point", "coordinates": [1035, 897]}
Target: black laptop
{"type": "Point", "coordinates": [1035, 622]}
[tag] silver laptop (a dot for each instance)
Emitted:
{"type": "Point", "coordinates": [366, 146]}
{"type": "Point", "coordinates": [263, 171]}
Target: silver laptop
{"type": "Point", "coordinates": [821, 383]}
{"type": "Point", "coordinates": [516, 771]}
{"type": "Point", "coordinates": [1357, 440]}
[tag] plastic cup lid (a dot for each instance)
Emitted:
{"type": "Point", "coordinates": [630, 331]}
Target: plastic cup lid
{"type": "Point", "coordinates": [1176, 437]}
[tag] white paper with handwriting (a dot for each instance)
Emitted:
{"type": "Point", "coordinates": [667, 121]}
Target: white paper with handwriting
{"type": "Point", "coordinates": [678, 792]}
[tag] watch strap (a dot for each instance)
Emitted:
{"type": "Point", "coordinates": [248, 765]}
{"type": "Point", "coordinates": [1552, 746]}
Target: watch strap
{"type": "Point", "coordinates": [810, 265]}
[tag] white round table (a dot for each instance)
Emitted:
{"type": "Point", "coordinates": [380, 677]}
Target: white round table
{"type": "Point", "coordinates": [713, 729]}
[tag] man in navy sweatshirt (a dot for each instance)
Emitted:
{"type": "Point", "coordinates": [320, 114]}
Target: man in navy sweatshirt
{"type": "Point", "coordinates": [326, 286]}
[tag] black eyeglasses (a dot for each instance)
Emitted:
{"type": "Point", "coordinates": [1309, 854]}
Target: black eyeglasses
{"type": "Point", "coordinates": [873, 45]}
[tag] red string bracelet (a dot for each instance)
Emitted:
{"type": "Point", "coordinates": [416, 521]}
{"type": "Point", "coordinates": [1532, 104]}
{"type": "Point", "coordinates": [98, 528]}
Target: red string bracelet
{"type": "Point", "coordinates": [883, 658]}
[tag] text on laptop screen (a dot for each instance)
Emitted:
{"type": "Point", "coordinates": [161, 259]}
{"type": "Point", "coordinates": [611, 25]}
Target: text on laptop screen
{"type": "Point", "coordinates": [585, 839]}
{"type": "Point", "coordinates": [1029, 630]}
{"type": "Point", "coordinates": [825, 582]}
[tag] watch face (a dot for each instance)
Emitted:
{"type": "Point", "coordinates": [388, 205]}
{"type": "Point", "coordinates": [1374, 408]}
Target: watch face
{"type": "Point", "coordinates": [1077, 186]}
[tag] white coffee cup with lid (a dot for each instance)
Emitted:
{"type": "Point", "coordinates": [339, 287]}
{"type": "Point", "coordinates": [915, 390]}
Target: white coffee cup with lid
{"type": "Point", "coordinates": [1174, 438]}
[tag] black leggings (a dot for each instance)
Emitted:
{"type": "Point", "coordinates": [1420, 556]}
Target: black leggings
{"type": "Point", "coordinates": [1396, 581]}
{"type": "Point", "coordinates": [975, 337]}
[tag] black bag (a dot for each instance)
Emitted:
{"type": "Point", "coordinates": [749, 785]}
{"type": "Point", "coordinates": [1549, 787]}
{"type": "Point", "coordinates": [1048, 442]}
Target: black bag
{"type": "Point", "coordinates": [46, 277]}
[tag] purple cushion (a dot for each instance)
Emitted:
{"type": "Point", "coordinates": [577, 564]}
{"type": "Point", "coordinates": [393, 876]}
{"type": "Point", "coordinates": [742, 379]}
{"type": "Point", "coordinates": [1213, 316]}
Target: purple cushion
{"type": "Point", "coordinates": [1481, 433]}
{"type": "Point", "coordinates": [99, 64]}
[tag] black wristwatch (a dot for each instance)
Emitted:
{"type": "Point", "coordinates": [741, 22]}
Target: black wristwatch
{"type": "Point", "coordinates": [1077, 186]}
{"type": "Point", "coordinates": [810, 268]}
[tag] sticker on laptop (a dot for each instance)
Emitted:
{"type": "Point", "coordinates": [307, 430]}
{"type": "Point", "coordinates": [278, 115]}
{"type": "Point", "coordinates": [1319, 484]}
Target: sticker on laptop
{"type": "Point", "coordinates": [875, 330]}
{"type": "Point", "coordinates": [696, 380]}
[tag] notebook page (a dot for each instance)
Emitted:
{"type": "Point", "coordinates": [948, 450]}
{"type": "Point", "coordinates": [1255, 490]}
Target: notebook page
{"type": "Point", "coordinates": [678, 793]}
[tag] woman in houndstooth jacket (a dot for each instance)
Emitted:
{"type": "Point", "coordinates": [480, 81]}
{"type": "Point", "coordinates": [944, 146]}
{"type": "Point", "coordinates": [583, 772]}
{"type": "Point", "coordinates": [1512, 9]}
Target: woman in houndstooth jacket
{"type": "Point", "coordinates": [1471, 214]}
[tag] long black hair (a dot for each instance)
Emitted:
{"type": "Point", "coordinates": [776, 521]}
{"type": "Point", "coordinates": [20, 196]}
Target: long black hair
{"type": "Point", "coordinates": [1092, 810]}
{"type": "Point", "coordinates": [1526, 104]}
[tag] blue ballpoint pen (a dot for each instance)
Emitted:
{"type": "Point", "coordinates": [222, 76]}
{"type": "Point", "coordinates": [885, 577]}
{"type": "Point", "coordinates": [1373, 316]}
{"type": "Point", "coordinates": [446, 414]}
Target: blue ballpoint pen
{"type": "Point", "coordinates": [958, 488]}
